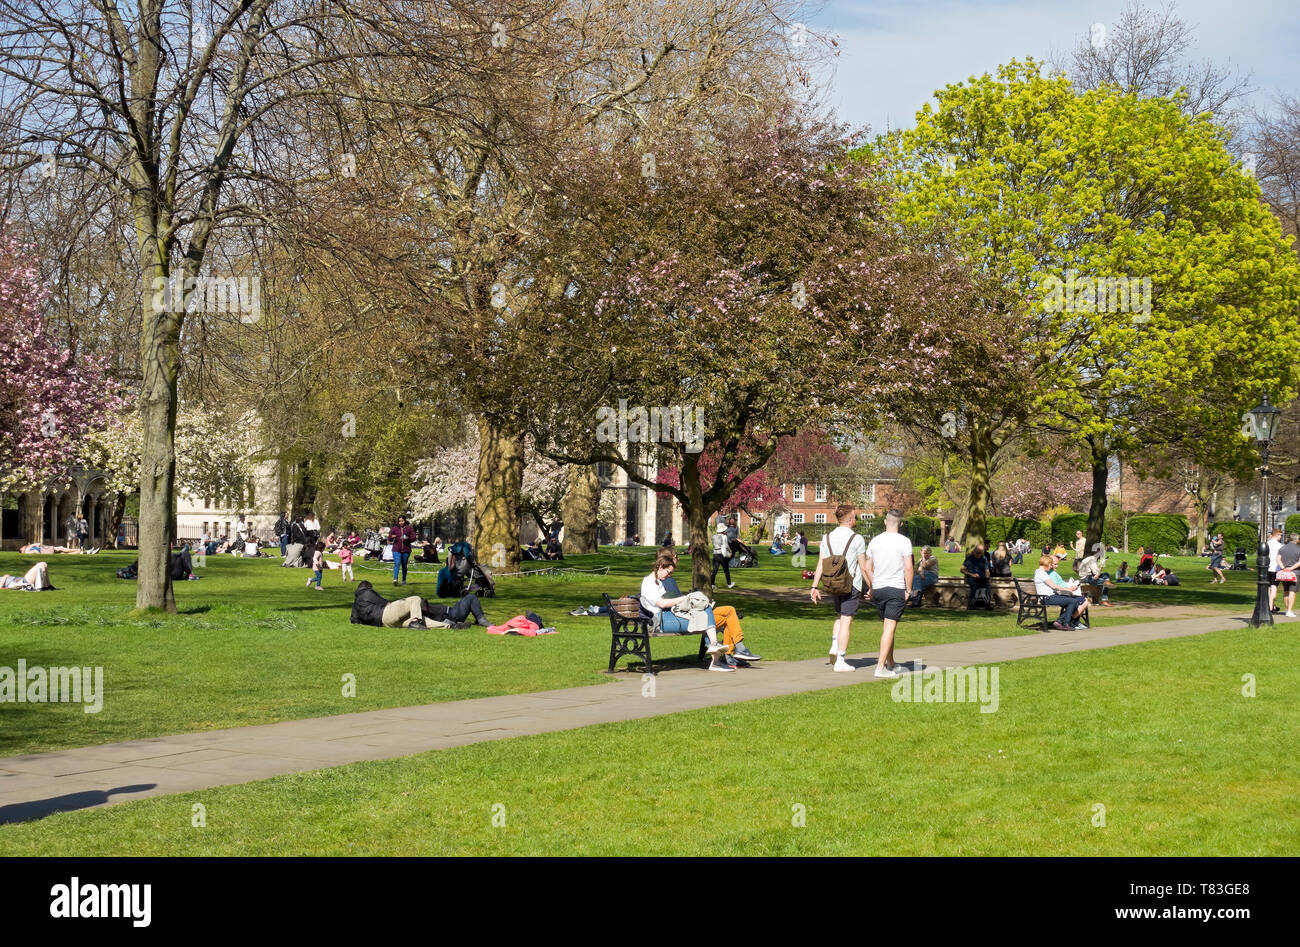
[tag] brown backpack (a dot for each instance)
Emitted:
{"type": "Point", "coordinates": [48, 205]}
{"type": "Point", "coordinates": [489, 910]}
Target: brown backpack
{"type": "Point", "coordinates": [836, 578]}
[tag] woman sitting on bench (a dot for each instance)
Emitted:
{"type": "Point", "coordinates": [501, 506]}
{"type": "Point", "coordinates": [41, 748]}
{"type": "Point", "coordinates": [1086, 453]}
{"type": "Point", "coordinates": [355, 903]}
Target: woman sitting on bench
{"type": "Point", "coordinates": [1055, 591]}
{"type": "Point", "coordinates": [656, 601]}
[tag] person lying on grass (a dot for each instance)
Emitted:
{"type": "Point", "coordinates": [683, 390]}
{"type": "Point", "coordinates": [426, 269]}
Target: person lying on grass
{"type": "Point", "coordinates": [38, 548]}
{"type": "Point", "coordinates": [36, 579]}
{"type": "Point", "coordinates": [371, 608]}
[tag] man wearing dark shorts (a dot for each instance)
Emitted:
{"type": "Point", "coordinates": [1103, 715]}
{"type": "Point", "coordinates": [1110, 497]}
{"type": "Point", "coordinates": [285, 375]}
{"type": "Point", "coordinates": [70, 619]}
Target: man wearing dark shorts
{"type": "Point", "coordinates": [1274, 547]}
{"type": "Point", "coordinates": [889, 574]}
{"type": "Point", "coordinates": [843, 541]}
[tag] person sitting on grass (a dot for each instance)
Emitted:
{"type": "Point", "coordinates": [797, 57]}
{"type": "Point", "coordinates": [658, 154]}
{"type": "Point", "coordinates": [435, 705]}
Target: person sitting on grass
{"type": "Point", "coordinates": [927, 574]}
{"type": "Point", "coordinates": [371, 608]}
{"type": "Point", "coordinates": [1162, 576]}
{"type": "Point", "coordinates": [1056, 591]}
{"type": "Point", "coordinates": [36, 579]}
{"type": "Point", "coordinates": [1123, 573]}
{"type": "Point", "coordinates": [1092, 570]}
{"type": "Point", "coordinates": [658, 604]}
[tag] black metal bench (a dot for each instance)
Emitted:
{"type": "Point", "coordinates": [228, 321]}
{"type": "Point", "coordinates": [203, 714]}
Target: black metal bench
{"type": "Point", "coordinates": [1032, 605]}
{"type": "Point", "coordinates": [632, 628]}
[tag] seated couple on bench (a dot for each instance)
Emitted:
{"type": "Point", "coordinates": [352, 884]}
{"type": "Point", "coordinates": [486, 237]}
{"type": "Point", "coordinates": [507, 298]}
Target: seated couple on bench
{"type": "Point", "coordinates": [665, 603]}
{"type": "Point", "coordinates": [1056, 591]}
{"type": "Point", "coordinates": [371, 608]}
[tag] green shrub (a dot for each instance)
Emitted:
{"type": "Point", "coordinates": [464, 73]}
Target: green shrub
{"type": "Point", "coordinates": [1237, 534]}
{"type": "Point", "coordinates": [921, 530]}
{"type": "Point", "coordinates": [1160, 532]}
{"type": "Point", "coordinates": [1005, 529]}
{"type": "Point", "coordinates": [1065, 525]}
{"type": "Point", "coordinates": [1292, 524]}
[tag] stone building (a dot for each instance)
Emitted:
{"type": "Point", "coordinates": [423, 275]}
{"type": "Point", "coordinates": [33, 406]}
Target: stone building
{"type": "Point", "coordinates": [43, 515]}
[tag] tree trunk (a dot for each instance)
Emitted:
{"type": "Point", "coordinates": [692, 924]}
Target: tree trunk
{"type": "Point", "coordinates": [160, 362]}
{"type": "Point", "coordinates": [115, 518]}
{"type": "Point", "coordinates": [497, 495]}
{"type": "Point", "coordinates": [697, 520]}
{"type": "Point", "coordinates": [1097, 508]}
{"type": "Point", "coordinates": [580, 511]}
{"type": "Point", "coordinates": [977, 505]}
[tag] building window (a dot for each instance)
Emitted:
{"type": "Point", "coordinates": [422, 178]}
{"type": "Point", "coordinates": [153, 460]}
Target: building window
{"type": "Point", "coordinates": [864, 517]}
{"type": "Point", "coordinates": [821, 493]}
{"type": "Point", "coordinates": [798, 519]}
{"type": "Point", "coordinates": [868, 493]}
{"type": "Point", "coordinates": [819, 517]}
{"type": "Point", "coordinates": [798, 494]}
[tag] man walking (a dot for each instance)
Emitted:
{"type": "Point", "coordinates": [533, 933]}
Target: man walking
{"type": "Point", "coordinates": [842, 549]}
{"type": "Point", "coordinates": [1274, 547]}
{"type": "Point", "coordinates": [282, 532]}
{"type": "Point", "coordinates": [889, 572]}
{"type": "Point", "coordinates": [721, 556]}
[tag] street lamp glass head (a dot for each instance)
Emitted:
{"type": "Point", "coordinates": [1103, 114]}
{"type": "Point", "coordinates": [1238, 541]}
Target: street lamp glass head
{"type": "Point", "coordinates": [1263, 421]}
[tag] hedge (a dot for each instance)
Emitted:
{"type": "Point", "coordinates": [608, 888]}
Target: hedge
{"type": "Point", "coordinates": [1160, 532]}
{"type": "Point", "coordinates": [1002, 529]}
{"type": "Point", "coordinates": [1292, 524]}
{"type": "Point", "coordinates": [1064, 527]}
{"type": "Point", "coordinates": [1238, 534]}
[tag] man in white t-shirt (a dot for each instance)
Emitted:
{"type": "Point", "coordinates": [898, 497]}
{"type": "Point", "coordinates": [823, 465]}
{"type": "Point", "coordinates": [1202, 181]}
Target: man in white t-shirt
{"type": "Point", "coordinates": [889, 579]}
{"type": "Point", "coordinates": [843, 541]}
{"type": "Point", "coordinates": [1274, 547]}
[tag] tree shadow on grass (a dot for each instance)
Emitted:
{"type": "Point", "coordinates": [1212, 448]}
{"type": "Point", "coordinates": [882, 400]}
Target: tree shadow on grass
{"type": "Point", "coordinates": [85, 799]}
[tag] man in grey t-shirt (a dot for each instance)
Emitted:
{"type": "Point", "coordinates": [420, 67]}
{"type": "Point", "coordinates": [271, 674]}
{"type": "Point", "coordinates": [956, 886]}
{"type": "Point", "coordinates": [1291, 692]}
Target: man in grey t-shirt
{"type": "Point", "coordinates": [1288, 560]}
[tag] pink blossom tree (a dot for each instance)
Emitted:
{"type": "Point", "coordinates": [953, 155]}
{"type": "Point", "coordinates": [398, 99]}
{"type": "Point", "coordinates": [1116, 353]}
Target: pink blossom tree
{"type": "Point", "coordinates": [51, 398]}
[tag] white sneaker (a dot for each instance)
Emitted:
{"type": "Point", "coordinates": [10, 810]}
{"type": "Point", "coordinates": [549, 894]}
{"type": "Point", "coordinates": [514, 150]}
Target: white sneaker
{"type": "Point", "coordinates": [720, 666]}
{"type": "Point", "coordinates": [842, 665]}
{"type": "Point", "coordinates": [715, 648]}
{"type": "Point", "coordinates": [1290, 614]}
{"type": "Point", "coordinates": [887, 673]}
{"type": "Point", "coordinates": [731, 585]}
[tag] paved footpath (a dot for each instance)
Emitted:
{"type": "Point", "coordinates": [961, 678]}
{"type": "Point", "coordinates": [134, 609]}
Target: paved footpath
{"type": "Point", "coordinates": [37, 785]}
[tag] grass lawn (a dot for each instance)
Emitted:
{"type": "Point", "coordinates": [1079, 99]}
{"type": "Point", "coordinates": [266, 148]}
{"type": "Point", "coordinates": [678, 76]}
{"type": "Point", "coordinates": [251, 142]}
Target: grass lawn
{"type": "Point", "coordinates": [1158, 733]}
{"type": "Point", "coordinates": [252, 645]}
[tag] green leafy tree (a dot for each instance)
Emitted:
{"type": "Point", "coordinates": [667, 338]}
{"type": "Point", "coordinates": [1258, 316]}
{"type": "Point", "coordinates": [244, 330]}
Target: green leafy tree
{"type": "Point", "coordinates": [1146, 261]}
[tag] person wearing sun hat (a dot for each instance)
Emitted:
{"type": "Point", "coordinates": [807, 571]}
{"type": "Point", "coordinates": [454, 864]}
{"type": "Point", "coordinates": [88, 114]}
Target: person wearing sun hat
{"type": "Point", "coordinates": [721, 555]}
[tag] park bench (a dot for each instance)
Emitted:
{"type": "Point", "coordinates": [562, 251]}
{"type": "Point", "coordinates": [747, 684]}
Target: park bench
{"type": "Point", "coordinates": [632, 628]}
{"type": "Point", "coordinates": [1034, 606]}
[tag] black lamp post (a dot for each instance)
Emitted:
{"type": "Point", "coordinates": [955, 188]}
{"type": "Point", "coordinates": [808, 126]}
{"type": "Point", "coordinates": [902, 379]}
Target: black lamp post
{"type": "Point", "coordinates": [1263, 424]}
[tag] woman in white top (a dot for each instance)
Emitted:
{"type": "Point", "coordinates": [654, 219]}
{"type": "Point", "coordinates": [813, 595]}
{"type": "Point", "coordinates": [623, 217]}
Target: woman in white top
{"type": "Point", "coordinates": [1048, 583]}
{"type": "Point", "coordinates": [656, 601]}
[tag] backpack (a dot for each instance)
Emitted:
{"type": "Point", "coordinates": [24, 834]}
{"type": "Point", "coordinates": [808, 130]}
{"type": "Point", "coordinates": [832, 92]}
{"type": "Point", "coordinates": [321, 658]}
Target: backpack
{"type": "Point", "coordinates": [836, 579]}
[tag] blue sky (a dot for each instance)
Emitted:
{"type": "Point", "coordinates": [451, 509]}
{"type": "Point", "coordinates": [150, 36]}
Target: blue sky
{"type": "Point", "coordinates": [895, 53]}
